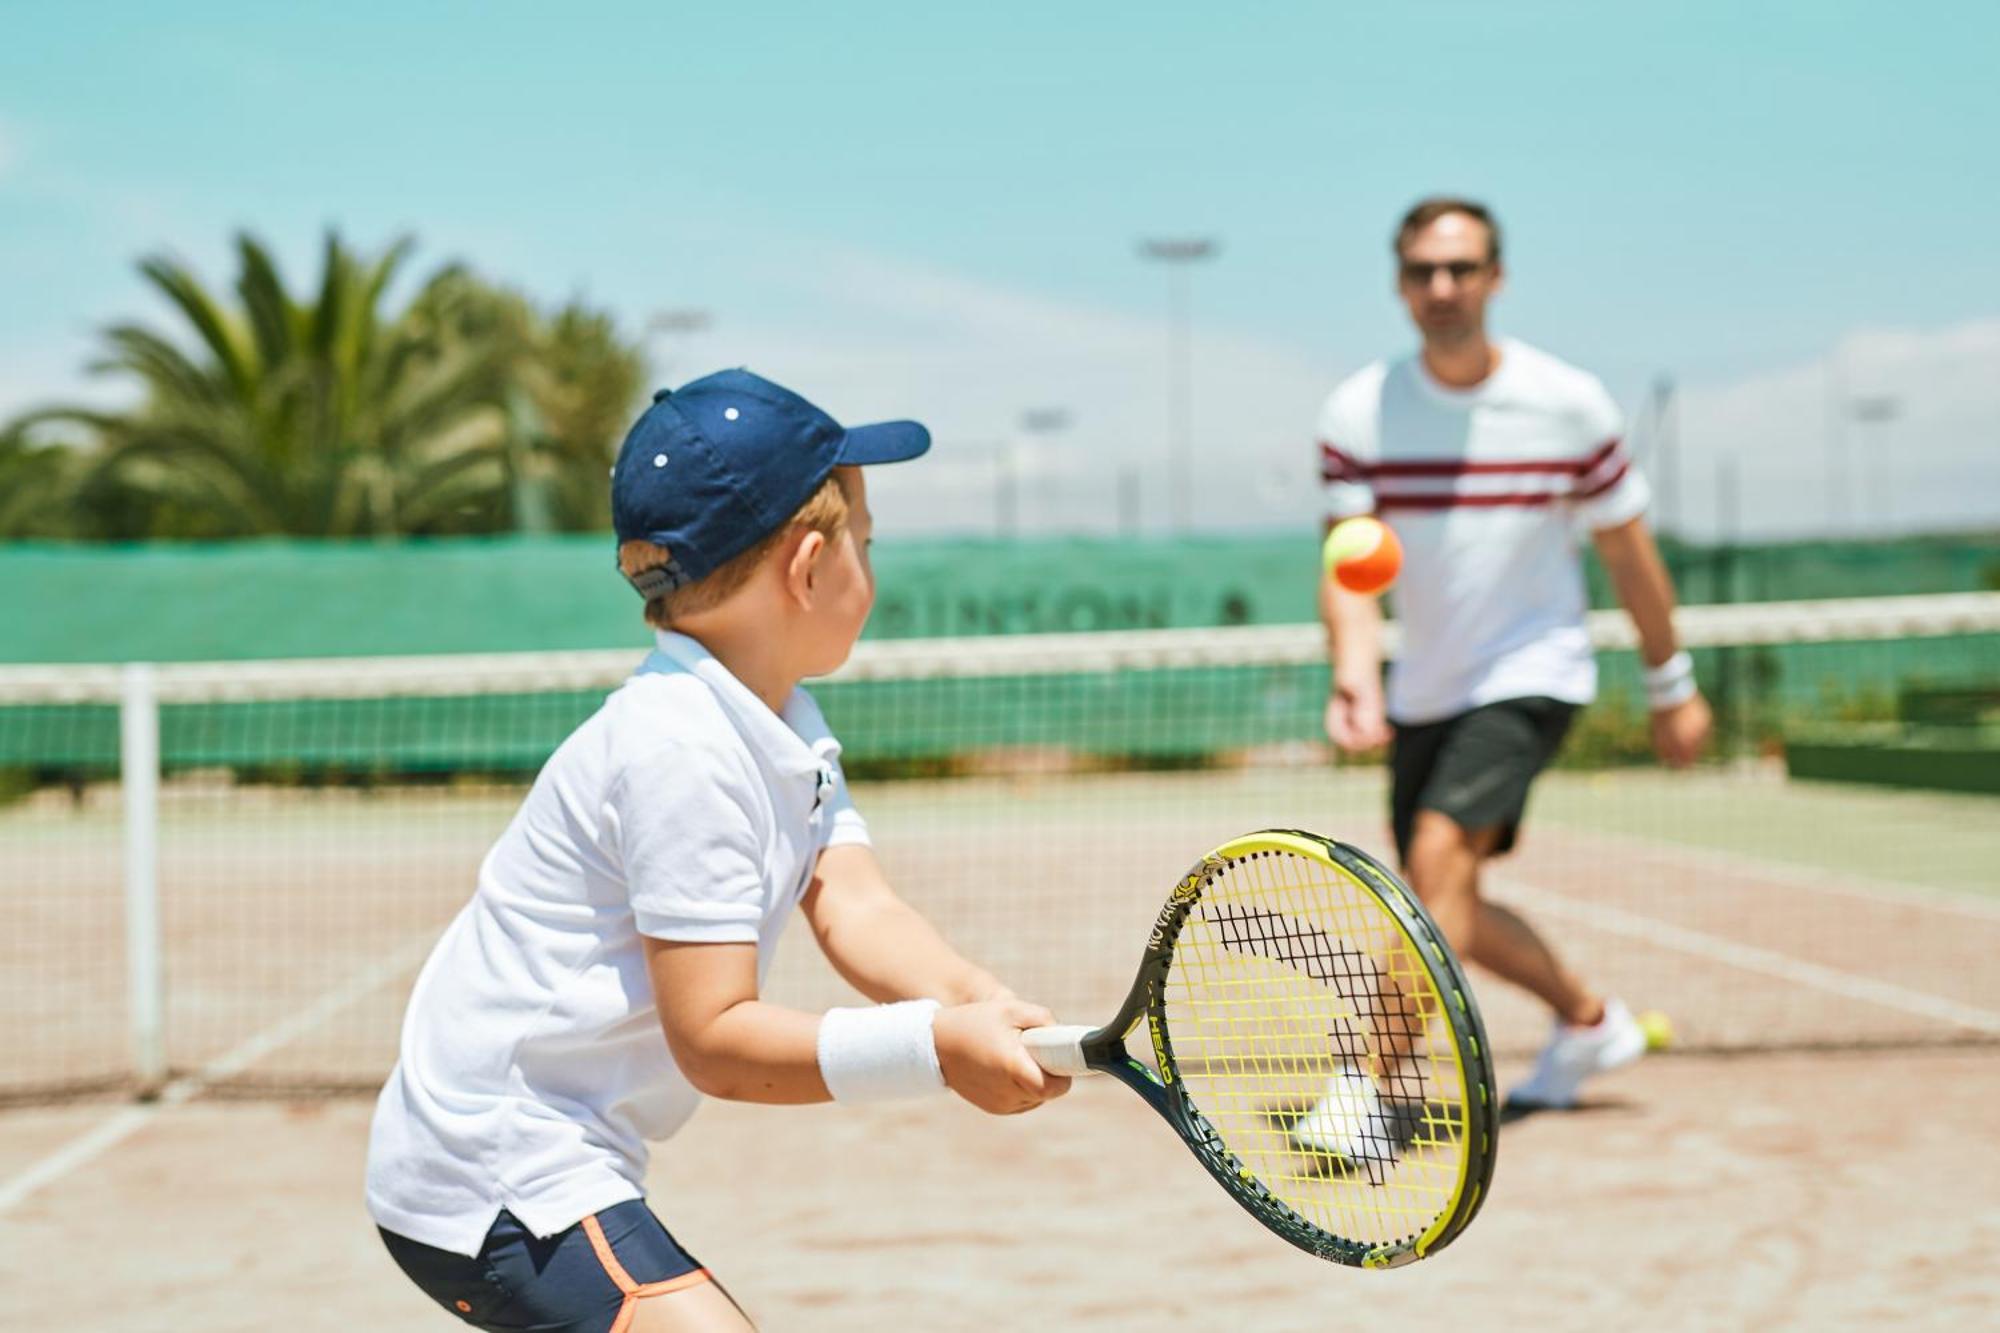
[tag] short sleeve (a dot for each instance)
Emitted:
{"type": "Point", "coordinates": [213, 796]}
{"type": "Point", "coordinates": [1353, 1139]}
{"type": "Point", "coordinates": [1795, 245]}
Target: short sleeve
{"type": "Point", "coordinates": [1344, 484]}
{"type": "Point", "coordinates": [1610, 490]}
{"type": "Point", "coordinates": [689, 838]}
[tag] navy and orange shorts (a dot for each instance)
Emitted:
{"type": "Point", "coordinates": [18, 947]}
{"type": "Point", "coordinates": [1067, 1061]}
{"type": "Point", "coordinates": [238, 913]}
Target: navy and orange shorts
{"type": "Point", "coordinates": [583, 1280]}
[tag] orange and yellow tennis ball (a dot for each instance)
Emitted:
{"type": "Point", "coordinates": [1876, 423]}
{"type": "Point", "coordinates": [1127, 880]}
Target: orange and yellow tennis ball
{"type": "Point", "coordinates": [1659, 1030]}
{"type": "Point", "coordinates": [1362, 554]}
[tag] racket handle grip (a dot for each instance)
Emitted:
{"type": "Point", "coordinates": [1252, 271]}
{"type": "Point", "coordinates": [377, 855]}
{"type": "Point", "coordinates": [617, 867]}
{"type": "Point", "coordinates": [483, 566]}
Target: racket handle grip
{"type": "Point", "coordinates": [1059, 1048]}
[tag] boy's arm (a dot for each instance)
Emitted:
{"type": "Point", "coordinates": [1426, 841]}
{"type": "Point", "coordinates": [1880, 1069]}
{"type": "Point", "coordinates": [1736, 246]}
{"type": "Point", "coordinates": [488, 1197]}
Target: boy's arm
{"type": "Point", "coordinates": [1681, 719]}
{"type": "Point", "coordinates": [731, 1044]}
{"type": "Point", "coordinates": [879, 943]}
{"type": "Point", "coordinates": [728, 1042]}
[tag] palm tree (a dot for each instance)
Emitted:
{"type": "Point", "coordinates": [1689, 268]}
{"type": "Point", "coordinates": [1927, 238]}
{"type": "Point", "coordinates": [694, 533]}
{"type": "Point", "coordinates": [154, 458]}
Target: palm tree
{"type": "Point", "coordinates": [331, 417]}
{"type": "Point", "coordinates": [317, 418]}
{"type": "Point", "coordinates": [36, 480]}
{"type": "Point", "coordinates": [567, 382]}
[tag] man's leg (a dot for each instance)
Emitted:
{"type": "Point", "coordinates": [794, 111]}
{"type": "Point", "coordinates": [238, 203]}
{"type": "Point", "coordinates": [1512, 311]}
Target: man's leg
{"type": "Point", "coordinates": [1459, 792]}
{"type": "Point", "coordinates": [1507, 946]}
{"type": "Point", "coordinates": [1592, 1036]}
{"type": "Point", "coordinates": [1444, 865]}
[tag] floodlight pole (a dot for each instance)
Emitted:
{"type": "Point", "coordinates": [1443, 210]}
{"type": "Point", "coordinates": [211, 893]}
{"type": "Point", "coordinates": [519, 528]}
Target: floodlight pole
{"type": "Point", "coordinates": [1666, 453]}
{"type": "Point", "coordinates": [1034, 421]}
{"type": "Point", "coordinates": [683, 322]}
{"type": "Point", "coordinates": [1177, 254]}
{"type": "Point", "coordinates": [1878, 410]}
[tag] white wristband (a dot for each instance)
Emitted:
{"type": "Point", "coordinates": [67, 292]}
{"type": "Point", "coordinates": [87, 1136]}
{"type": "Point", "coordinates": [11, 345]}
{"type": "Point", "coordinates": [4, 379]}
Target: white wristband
{"type": "Point", "coordinates": [1671, 683]}
{"type": "Point", "coordinates": [880, 1052]}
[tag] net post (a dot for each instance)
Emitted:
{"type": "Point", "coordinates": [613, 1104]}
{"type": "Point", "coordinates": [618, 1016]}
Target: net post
{"type": "Point", "coordinates": [139, 774]}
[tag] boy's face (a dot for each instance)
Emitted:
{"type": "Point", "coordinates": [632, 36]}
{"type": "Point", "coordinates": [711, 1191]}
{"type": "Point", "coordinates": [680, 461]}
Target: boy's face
{"type": "Point", "coordinates": [844, 580]}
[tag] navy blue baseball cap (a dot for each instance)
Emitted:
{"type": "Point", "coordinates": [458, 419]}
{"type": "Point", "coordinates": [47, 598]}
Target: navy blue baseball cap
{"type": "Point", "coordinates": [717, 465]}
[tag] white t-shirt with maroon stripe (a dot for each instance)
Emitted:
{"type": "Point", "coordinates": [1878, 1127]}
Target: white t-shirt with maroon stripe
{"type": "Point", "coordinates": [1489, 489]}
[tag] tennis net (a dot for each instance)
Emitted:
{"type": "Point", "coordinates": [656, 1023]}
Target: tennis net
{"type": "Point", "coordinates": [229, 873]}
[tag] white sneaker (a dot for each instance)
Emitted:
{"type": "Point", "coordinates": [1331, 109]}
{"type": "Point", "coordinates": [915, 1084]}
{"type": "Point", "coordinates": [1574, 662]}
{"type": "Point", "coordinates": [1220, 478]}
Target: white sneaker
{"type": "Point", "coordinates": [1349, 1122]}
{"type": "Point", "coordinates": [1574, 1054]}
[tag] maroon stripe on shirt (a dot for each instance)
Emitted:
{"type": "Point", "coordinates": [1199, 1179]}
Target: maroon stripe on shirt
{"type": "Point", "coordinates": [1337, 466]}
{"type": "Point", "coordinates": [1617, 475]}
{"type": "Point", "coordinates": [1608, 459]}
{"type": "Point", "coordinates": [1598, 455]}
{"type": "Point", "coordinates": [1447, 500]}
{"type": "Point", "coordinates": [1457, 468]}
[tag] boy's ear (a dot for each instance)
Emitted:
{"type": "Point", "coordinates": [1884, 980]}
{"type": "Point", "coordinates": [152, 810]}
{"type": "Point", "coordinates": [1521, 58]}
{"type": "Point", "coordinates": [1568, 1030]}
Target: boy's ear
{"type": "Point", "coordinates": [801, 562]}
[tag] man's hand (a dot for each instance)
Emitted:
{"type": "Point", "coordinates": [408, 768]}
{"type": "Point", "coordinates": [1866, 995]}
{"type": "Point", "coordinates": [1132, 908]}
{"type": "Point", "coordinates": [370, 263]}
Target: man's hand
{"type": "Point", "coordinates": [1681, 733]}
{"type": "Point", "coordinates": [984, 1061]}
{"type": "Point", "coordinates": [1355, 719]}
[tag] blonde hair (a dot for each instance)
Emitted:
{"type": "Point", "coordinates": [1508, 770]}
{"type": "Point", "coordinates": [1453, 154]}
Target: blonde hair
{"type": "Point", "coordinates": [824, 512]}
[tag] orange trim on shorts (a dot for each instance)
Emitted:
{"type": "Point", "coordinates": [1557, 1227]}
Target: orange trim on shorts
{"type": "Point", "coordinates": [634, 1292]}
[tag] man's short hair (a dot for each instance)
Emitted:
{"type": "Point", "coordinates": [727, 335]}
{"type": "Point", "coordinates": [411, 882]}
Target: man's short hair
{"type": "Point", "coordinates": [824, 512]}
{"type": "Point", "coordinates": [1426, 211]}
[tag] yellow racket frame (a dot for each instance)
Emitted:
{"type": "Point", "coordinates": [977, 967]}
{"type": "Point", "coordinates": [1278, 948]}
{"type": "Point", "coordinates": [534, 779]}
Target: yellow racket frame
{"type": "Point", "coordinates": [1466, 1052]}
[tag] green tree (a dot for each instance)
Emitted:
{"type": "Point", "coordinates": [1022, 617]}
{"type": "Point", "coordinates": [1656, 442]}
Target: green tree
{"type": "Point", "coordinates": [36, 481]}
{"type": "Point", "coordinates": [331, 416]}
{"type": "Point", "coordinates": [584, 381]}
{"type": "Point", "coordinates": [567, 382]}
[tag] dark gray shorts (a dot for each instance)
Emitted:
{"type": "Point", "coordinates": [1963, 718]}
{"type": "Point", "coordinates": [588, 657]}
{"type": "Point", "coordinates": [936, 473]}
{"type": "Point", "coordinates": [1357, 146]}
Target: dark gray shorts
{"type": "Point", "coordinates": [1475, 767]}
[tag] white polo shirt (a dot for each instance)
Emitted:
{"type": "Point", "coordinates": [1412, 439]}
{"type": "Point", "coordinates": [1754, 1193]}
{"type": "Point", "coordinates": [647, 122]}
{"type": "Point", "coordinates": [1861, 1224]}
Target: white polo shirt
{"type": "Point", "coordinates": [533, 1066]}
{"type": "Point", "coordinates": [1488, 488]}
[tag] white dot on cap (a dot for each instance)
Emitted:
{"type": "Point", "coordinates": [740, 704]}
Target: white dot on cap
{"type": "Point", "coordinates": [730, 414]}
{"type": "Point", "coordinates": [659, 460]}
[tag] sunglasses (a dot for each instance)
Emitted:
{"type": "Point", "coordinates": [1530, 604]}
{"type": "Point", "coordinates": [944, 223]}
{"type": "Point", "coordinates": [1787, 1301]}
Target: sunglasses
{"type": "Point", "coordinates": [1460, 270]}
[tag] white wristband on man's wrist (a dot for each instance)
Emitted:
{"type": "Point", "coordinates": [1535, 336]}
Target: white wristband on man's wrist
{"type": "Point", "coordinates": [880, 1052]}
{"type": "Point", "coordinates": [1671, 683]}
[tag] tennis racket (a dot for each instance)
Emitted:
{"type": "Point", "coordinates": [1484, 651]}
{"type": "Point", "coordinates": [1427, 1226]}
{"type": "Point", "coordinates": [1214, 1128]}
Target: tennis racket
{"type": "Point", "coordinates": [1314, 1042]}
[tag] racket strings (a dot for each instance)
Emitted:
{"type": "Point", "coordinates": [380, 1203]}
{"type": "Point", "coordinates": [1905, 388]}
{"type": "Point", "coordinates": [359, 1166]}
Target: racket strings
{"type": "Point", "coordinates": [1312, 1041]}
{"type": "Point", "coordinates": [1351, 971]}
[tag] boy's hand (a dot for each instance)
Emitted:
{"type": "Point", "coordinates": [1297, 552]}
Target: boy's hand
{"type": "Point", "coordinates": [984, 1061]}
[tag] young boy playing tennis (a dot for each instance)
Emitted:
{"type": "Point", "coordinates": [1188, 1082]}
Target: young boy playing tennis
{"type": "Point", "coordinates": [605, 975]}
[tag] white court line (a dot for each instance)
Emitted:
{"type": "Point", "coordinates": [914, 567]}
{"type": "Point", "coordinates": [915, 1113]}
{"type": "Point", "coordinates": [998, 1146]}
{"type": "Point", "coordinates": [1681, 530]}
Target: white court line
{"type": "Point", "coordinates": [75, 1153]}
{"type": "Point", "coordinates": [1749, 958]}
{"type": "Point", "coordinates": [130, 1120]}
{"type": "Point", "coordinates": [1838, 882]}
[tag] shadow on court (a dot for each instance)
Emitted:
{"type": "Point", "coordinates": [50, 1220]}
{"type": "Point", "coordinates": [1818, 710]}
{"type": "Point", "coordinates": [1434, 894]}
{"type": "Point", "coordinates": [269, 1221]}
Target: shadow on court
{"type": "Point", "coordinates": [1513, 1113]}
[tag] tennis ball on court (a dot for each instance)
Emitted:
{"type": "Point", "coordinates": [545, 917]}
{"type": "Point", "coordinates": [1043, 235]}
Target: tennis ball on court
{"type": "Point", "coordinates": [1362, 554]}
{"type": "Point", "coordinates": [1659, 1030]}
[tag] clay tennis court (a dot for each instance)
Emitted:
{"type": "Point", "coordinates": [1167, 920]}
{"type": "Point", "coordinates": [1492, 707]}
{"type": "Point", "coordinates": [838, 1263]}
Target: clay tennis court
{"type": "Point", "coordinates": [1793, 1192]}
{"type": "Point", "coordinates": [1808, 1159]}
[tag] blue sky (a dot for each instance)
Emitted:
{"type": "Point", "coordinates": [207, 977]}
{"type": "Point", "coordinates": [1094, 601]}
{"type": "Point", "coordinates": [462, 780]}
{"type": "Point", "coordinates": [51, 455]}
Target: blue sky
{"type": "Point", "coordinates": [932, 209]}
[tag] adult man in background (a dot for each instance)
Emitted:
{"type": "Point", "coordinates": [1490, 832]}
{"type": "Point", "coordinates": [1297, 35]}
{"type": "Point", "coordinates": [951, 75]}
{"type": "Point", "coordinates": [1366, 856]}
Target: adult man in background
{"type": "Point", "coordinates": [1488, 457]}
